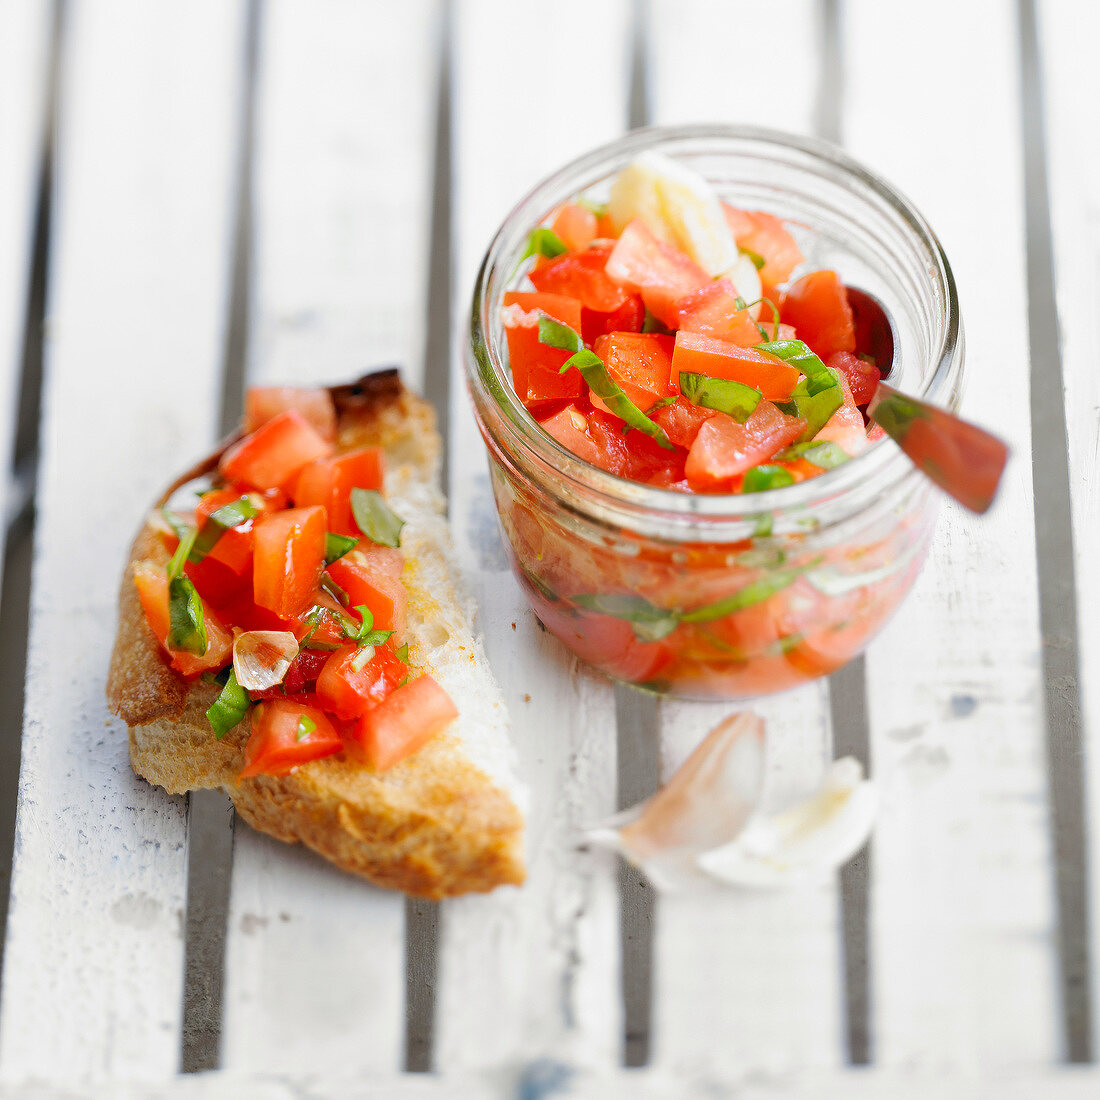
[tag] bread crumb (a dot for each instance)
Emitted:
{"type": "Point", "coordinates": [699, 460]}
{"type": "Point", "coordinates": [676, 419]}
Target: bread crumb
{"type": "Point", "coordinates": [513, 626]}
{"type": "Point", "coordinates": [527, 698]}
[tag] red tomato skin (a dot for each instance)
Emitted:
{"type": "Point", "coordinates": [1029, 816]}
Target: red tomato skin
{"type": "Point", "coordinates": [817, 306]}
{"type": "Point", "coordinates": [406, 720]}
{"type": "Point", "coordinates": [723, 448]}
{"type": "Point", "coordinates": [270, 456]}
{"type": "Point", "coordinates": [682, 420]}
{"type": "Point", "coordinates": [862, 377]}
{"type": "Point", "coordinates": [349, 693]}
{"type": "Point", "coordinates": [264, 403]}
{"type": "Point", "coordinates": [768, 237]}
{"type": "Point", "coordinates": [640, 362]}
{"type": "Point", "coordinates": [273, 747]}
{"type": "Point", "coordinates": [328, 482]}
{"type": "Point", "coordinates": [152, 587]}
{"type": "Point", "coordinates": [712, 310]}
{"type": "Point", "coordinates": [629, 317]}
{"type": "Point", "coordinates": [570, 428]}
{"type": "Point", "coordinates": [536, 366]}
{"type": "Point", "coordinates": [701, 354]}
{"type": "Point", "coordinates": [575, 226]}
{"type": "Point", "coordinates": [385, 595]}
{"type": "Point", "coordinates": [581, 275]}
{"type": "Point", "coordinates": [661, 273]}
{"type": "Point", "coordinates": [216, 583]}
{"type": "Point", "coordinates": [289, 559]}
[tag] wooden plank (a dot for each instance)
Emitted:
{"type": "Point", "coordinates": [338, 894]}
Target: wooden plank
{"type": "Point", "coordinates": [315, 974]}
{"type": "Point", "coordinates": [961, 893]}
{"type": "Point", "coordinates": [92, 979]}
{"type": "Point", "coordinates": [745, 980]}
{"type": "Point", "coordinates": [24, 52]}
{"type": "Point", "coordinates": [1071, 88]}
{"type": "Point", "coordinates": [531, 970]}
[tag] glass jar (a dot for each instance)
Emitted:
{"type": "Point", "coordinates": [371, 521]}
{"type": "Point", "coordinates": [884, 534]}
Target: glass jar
{"type": "Point", "coordinates": [723, 595]}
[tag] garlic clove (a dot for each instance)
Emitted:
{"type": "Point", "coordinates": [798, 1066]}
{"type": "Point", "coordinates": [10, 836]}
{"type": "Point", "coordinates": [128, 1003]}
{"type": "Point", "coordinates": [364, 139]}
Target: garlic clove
{"type": "Point", "coordinates": [261, 658]}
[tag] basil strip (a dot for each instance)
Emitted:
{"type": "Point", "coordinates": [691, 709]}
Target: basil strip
{"type": "Point", "coordinates": [650, 623]}
{"type": "Point", "coordinates": [375, 518]}
{"type": "Point", "coordinates": [758, 261]}
{"type": "Point", "coordinates": [825, 454]}
{"type": "Point", "coordinates": [764, 477]}
{"type": "Point", "coordinates": [306, 726]}
{"type": "Point", "coordinates": [818, 395]}
{"type": "Point", "coordinates": [403, 653]}
{"type": "Point", "coordinates": [183, 552]}
{"type": "Point", "coordinates": [336, 546]}
{"type": "Point", "coordinates": [364, 634]}
{"type": "Point", "coordinates": [751, 594]}
{"type": "Point", "coordinates": [544, 242]}
{"type": "Point", "coordinates": [218, 522]}
{"type": "Point", "coordinates": [597, 208]}
{"type": "Point", "coordinates": [594, 371]}
{"type": "Point", "coordinates": [229, 707]}
{"type": "Point", "coordinates": [723, 394]}
{"type": "Point", "coordinates": [187, 626]}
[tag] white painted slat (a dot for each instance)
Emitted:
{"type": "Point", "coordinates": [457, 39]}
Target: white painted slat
{"type": "Point", "coordinates": [24, 49]}
{"type": "Point", "coordinates": [1072, 101]}
{"type": "Point", "coordinates": [343, 162]}
{"type": "Point", "coordinates": [530, 970]}
{"type": "Point", "coordinates": [964, 971]}
{"type": "Point", "coordinates": [746, 981]}
{"type": "Point", "coordinates": [93, 963]}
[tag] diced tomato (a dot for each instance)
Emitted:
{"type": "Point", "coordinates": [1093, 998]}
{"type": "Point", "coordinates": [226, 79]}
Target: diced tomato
{"type": "Point", "coordinates": [286, 734]}
{"type": "Point", "coordinates": [581, 275]}
{"type": "Point", "coordinates": [275, 452]}
{"type": "Point", "coordinates": [383, 594]}
{"type": "Point", "coordinates": [846, 429]}
{"type": "Point", "coordinates": [288, 559]}
{"type": "Point", "coordinates": [323, 620]}
{"type": "Point", "coordinates": [352, 680]}
{"type": "Point", "coordinates": [234, 546]}
{"type": "Point", "coordinates": [570, 428]}
{"type": "Point", "coordinates": [641, 363]}
{"type": "Point", "coordinates": [629, 317]}
{"type": "Point", "coordinates": [264, 403]}
{"type": "Point", "coordinates": [328, 482]}
{"type": "Point", "coordinates": [721, 359]}
{"type": "Point", "coordinates": [862, 377]}
{"type": "Point", "coordinates": [724, 448]}
{"type": "Point", "coordinates": [304, 670]}
{"type": "Point", "coordinates": [661, 273]}
{"type": "Point", "coordinates": [768, 237]}
{"type": "Point", "coordinates": [216, 582]}
{"type": "Point", "coordinates": [772, 331]}
{"type": "Point", "coordinates": [406, 720]}
{"type": "Point", "coordinates": [712, 310]}
{"type": "Point", "coordinates": [152, 587]}
{"type": "Point", "coordinates": [682, 420]}
{"type": "Point", "coordinates": [817, 306]}
{"type": "Point", "coordinates": [575, 225]}
{"type": "Point", "coordinates": [535, 365]}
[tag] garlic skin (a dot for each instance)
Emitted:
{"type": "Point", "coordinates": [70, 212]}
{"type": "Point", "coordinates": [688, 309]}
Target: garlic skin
{"type": "Point", "coordinates": [261, 657]}
{"type": "Point", "coordinates": [704, 829]}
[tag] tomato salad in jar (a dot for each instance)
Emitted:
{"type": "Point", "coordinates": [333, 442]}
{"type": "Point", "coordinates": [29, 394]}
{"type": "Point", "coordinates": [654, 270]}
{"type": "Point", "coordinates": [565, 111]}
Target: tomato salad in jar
{"type": "Point", "coordinates": [682, 343]}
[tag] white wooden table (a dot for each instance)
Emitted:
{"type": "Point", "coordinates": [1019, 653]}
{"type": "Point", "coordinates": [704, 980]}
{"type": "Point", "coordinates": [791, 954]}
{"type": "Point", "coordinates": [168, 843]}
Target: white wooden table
{"type": "Point", "coordinates": [229, 191]}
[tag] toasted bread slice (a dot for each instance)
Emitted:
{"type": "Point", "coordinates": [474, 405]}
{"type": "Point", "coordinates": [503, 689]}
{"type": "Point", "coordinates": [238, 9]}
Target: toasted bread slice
{"type": "Point", "coordinates": [448, 819]}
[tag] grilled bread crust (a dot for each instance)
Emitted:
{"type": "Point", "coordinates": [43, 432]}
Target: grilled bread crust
{"type": "Point", "coordinates": [446, 820]}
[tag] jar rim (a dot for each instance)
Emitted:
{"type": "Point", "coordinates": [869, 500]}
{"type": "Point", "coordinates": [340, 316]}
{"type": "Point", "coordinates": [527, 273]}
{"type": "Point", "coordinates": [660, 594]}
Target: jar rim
{"type": "Point", "coordinates": [500, 410]}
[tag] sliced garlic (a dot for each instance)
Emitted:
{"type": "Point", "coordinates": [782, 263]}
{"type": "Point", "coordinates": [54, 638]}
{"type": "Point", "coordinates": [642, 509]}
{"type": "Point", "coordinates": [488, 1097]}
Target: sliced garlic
{"type": "Point", "coordinates": [261, 657]}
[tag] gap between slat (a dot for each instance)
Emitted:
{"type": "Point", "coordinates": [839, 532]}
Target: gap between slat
{"type": "Point", "coordinates": [1057, 585]}
{"type": "Point", "coordinates": [210, 812]}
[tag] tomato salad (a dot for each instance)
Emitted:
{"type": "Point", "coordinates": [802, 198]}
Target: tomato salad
{"type": "Point", "coordinates": [285, 588]}
{"type": "Point", "coordinates": [665, 338]}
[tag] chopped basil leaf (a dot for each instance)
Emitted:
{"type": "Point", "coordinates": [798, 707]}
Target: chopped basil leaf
{"type": "Point", "coordinates": [364, 634]}
{"type": "Point", "coordinates": [403, 653]}
{"type": "Point", "coordinates": [722, 394]}
{"type": "Point", "coordinates": [306, 726]}
{"type": "Point", "coordinates": [544, 242]}
{"type": "Point", "coordinates": [824, 454]}
{"type": "Point", "coordinates": [334, 590]}
{"type": "Point", "coordinates": [219, 521]}
{"type": "Point", "coordinates": [229, 707]}
{"type": "Point", "coordinates": [187, 627]}
{"type": "Point", "coordinates": [818, 395]}
{"type": "Point", "coordinates": [650, 622]}
{"type": "Point", "coordinates": [375, 518]}
{"type": "Point", "coordinates": [762, 529]}
{"type": "Point", "coordinates": [751, 594]}
{"type": "Point", "coordinates": [758, 261]}
{"type": "Point", "coordinates": [652, 409]}
{"type": "Point", "coordinates": [651, 324]}
{"type": "Point", "coordinates": [592, 368]}
{"type": "Point", "coordinates": [183, 552]}
{"type": "Point", "coordinates": [764, 477]}
{"type": "Point", "coordinates": [336, 546]}
{"type": "Point", "coordinates": [174, 521]}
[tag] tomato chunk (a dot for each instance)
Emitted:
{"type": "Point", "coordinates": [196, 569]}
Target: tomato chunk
{"type": "Point", "coordinates": [682, 420]}
{"type": "Point", "coordinates": [723, 448]}
{"type": "Point", "coordinates": [275, 452]}
{"type": "Point", "coordinates": [629, 317]}
{"type": "Point", "coordinates": [721, 359]}
{"type": "Point", "coordinates": [581, 275]}
{"type": "Point", "coordinates": [641, 363]}
{"type": "Point", "coordinates": [712, 310]}
{"type": "Point", "coordinates": [535, 366]}
{"type": "Point", "coordinates": [152, 588]}
{"type": "Point", "coordinates": [862, 377]}
{"type": "Point", "coordinates": [328, 482]}
{"type": "Point", "coordinates": [289, 557]}
{"type": "Point", "coordinates": [354, 680]}
{"type": "Point", "coordinates": [661, 273]}
{"type": "Point", "coordinates": [570, 428]}
{"type": "Point", "coordinates": [404, 722]}
{"type": "Point", "coordinates": [575, 225]}
{"type": "Point", "coordinates": [382, 593]}
{"type": "Point", "coordinates": [817, 306]}
{"type": "Point", "coordinates": [264, 403]}
{"type": "Point", "coordinates": [769, 238]}
{"type": "Point", "coordinates": [286, 734]}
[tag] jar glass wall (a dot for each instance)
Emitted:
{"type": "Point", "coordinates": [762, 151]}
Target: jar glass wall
{"type": "Point", "coordinates": [718, 595]}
